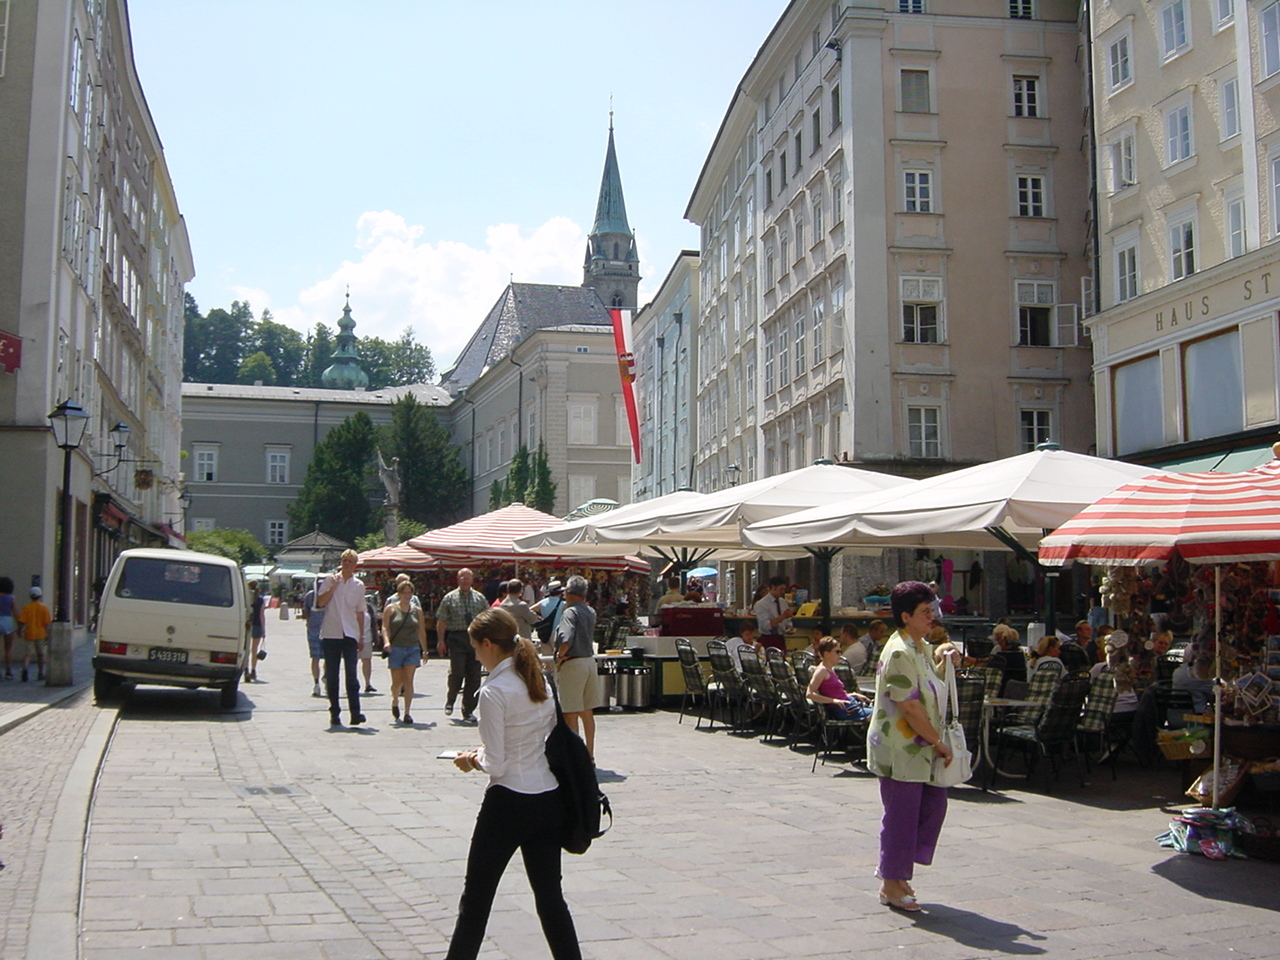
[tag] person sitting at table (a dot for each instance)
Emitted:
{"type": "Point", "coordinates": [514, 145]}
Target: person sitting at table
{"type": "Point", "coordinates": [673, 594]}
{"type": "Point", "coordinates": [817, 637]}
{"type": "Point", "coordinates": [828, 689]}
{"type": "Point", "coordinates": [746, 637]}
{"type": "Point", "coordinates": [1047, 654]}
{"type": "Point", "coordinates": [857, 650]}
{"type": "Point", "coordinates": [1196, 675]}
{"type": "Point", "coordinates": [1007, 656]}
{"type": "Point", "coordinates": [1100, 643]}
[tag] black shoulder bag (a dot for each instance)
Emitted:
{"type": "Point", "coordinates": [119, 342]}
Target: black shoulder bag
{"type": "Point", "coordinates": [543, 627]}
{"type": "Point", "coordinates": [585, 805]}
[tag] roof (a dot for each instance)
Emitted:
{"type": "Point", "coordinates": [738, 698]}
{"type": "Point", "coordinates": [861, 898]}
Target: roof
{"type": "Point", "coordinates": [314, 539]}
{"type": "Point", "coordinates": [611, 210]}
{"type": "Point", "coordinates": [426, 393]}
{"type": "Point", "coordinates": [522, 309]}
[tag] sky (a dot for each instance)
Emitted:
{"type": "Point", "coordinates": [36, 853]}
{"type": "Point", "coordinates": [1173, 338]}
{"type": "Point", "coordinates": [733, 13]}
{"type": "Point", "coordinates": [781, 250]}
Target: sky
{"type": "Point", "coordinates": [426, 152]}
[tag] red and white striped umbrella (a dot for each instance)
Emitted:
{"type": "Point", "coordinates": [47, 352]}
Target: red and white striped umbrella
{"type": "Point", "coordinates": [401, 557]}
{"type": "Point", "coordinates": [1205, 517]}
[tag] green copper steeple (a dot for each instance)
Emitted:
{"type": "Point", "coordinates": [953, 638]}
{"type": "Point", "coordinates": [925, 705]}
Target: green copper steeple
{"type": "Point", "coordinates": [612, 265]}
{"type": "Point", "coordinates": [345, 373]}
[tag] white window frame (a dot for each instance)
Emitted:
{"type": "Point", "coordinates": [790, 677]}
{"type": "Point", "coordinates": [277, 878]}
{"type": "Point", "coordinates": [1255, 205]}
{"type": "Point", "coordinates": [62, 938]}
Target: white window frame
{"type": "Point", "coordinates": [770, 357]}
{"type": "Point", "coordinates": [203, 523]}
{"type": "Point", "coordinates": [1179, 133]}
{"type": "Point", "coordinates": [621, 424]}
{"type": "Point", "coordinates": [1063, 318]}
{"type": "Point", "coordinates": [1120, 62]}
{"type": "Point", "coordinates": [1224, 13]}
{"type": "Point", "coordinates": [1269, 38]}
{"type": "Point", "coordinates": [1229, 107]}
{"type": "Point", "coordinates": [1234, 223]}
{"type": "Point", "coordinates": [916, 292]}
{"type": "Point", "coordinates": [277, 539]}
{"type": "Point", "coordinates": [1022, 9]}
{"type": "Point", "coordinates": [911, 6]}
{"type": "Point", "coordinates": [816, 211]}
{"type": "Point", "coordinates": [917, 191]}
{"type": "Point", "coordinates": [1182, 233]}
{"type": "Point", "coordinates": [928, 90]}
{"type": "Point", "coordinates": [206, 458]}
{"type": "Point", "coordinates": [581, 413]}
{"type": "Point", "coordinates": [920, 445]}
{"type": "Point", "coordinates": [1032, 195]}
{"type": "Point", "coordinates": [819, 313]}
{"type": "Point", "coordinates": [277, 465]}
{"type": "Point", "coordinates": [581, 489]}
{"type": "Point", "coordinates": [1174, 29]}
{"type": "Point", "coordinates": [1128, 280]}
{"type": "Point", "coordinates": [798, 343]}
{"type": "Point", "coordinates": [1122, 150]}
{"type": "Point", "coordinates": [1027, 89]}
{"type": "Point", "coordinates": [1041, 427]}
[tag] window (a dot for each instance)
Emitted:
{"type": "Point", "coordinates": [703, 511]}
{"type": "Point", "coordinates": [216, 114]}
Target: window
{"type": "Point", "coordinates": [918, 190]}
{"type": "Point", "coordinates": [582, 487]}
{"type": "Point", "coordinates": [911, 6]}
{"type": "Point", "coordinates": [1127, 270]}
{"type": "Point", "coordinates": [1182, 249]}
{"type": "Point", "coordinates": [819, 327]}
{"type": "Point", "coordinates": [782, 169]}
{"type": "Point", "coordinates": [799, 150]}
{"type": "Point", "coordinates": [1224, 12]}
{"type": "Point", "coordinates": [1026, 96]}
{"type": "Point", "coordinates": [1035, 313]}
{"type": "Point", "coordinates": [768, 367]}
{"type": "Point", "coordinates": [276, 532]}
{"type": "Point", "coordinates": [835, 106]}
{"type": "Point", "coordinates": [73, 82]}
{"type": "Point", "coordinates": [816, 128]}
{"type": "Point", "coordinates": [1214, 386]}
{"type": "Point", "coordinates": [582, 423]}
{"type": "Point", "coordinates": [799, 238]}
{"type": "Point", "coordinates": [1275, 194]}
{"type": "Point", "coordinates": [1034, 428]}
{"type": "Point", "coordinates": [921, 309]}
{"type": "Point", "coordinates": [1236, 242]}
{"type": "Point", "coordinates": [1123, 172]}
{"type": "Point", "coordinates": [277, 466]}
{"type": "Point", "coordinates": [1177, 130]}
{"type": "Point", "coordinates": [1269, 21]}
{"type": "Point", "coordinates": [621, 423]}
{"type": "Point", "coordinates": [203, 523]}
{"type": "Point", "coordinates": [1030, 196]}
{"type": "Point", "coordinates": [1174, 37]}
{"type": "Point", "coordinates": [816, 208]}
{"type": "Point", "coordinates": [1229, 97]}
{"type": "Point", "coordinates": [206, 464]}
{"type": "Point", "coordinates": [1138, 405]}
{"type": "Point", "coordinates": [915, 91]}
{"type": "Point", "coordinates": [1119, 68]}
{"type": "Point", "coordinates": [784, 354]}
{"type": "Point", "coordinates": [1022, 9]}
{"type": "Point", "coordinates": [923, 435]}
{"type": "Point", "coordinates": [801, 357]}
{"type": "Point", "coordinates": [837, 198]}
{"type": "Point", "coordinates": [768, 186]}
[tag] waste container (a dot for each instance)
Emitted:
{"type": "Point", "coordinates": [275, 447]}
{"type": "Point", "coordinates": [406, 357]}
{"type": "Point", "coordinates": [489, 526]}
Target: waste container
{"type": "Point", "coordinates": [635, 686]}
{"type": "Point", "coordinates": [606, 684]}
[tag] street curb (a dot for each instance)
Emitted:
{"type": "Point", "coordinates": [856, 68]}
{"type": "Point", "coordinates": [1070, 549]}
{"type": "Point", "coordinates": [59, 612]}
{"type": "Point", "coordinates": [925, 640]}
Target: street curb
{"type": "Point", "coordinates": [55, 917]}
{"type": "Point", "coordinates": [24, 713]}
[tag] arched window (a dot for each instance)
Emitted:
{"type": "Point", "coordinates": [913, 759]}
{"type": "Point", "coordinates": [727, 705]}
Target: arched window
{"type": "Point", "coordinates": [616, 301]}
{"type": "Point", "coordinates": [615, 251]}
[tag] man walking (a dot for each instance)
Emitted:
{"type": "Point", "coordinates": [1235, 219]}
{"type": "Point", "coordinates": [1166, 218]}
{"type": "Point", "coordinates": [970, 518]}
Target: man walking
{"type": "Point", "coordinates": [455, 613]}
{"type": "Point", "coordinates": [576, 662]}
{"type": "Point", "coordinates": [342, 597]}
{"type": "Point", "coordinates": [514, 604]}
{"type": "Point", "coordinates": [314, 617]}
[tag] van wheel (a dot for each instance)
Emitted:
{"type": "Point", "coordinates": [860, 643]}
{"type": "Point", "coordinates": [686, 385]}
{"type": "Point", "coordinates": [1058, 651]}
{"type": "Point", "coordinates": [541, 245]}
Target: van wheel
{"type": "Point", "coordinates": [229, 694]}
{"type": "Point", "coordinates": [106, 686]}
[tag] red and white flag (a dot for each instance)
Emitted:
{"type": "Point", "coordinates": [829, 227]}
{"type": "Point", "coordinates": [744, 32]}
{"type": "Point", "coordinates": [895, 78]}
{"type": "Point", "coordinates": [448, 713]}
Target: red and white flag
{"type": "Point", "coordinates": [627, 372]}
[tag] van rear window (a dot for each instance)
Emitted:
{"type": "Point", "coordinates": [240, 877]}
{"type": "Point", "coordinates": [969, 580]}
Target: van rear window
{"type": "Point", "coordinates": [172, 581]}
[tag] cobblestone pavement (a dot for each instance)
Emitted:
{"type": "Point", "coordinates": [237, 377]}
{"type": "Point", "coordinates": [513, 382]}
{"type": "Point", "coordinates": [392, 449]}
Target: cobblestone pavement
{"type": "Point", "coordinates": [262, 834]}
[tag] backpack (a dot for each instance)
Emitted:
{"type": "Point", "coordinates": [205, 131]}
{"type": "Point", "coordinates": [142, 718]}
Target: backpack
{"type": "Point", "coordinates": [542, 629]}
{"type": "Point", "coordinates": [585, 804]}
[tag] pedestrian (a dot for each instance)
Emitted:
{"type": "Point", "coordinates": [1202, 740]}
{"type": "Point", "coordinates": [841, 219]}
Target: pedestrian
{"type": "Point", "coordinates": [574, 643]}
{"type": "Point", "coordinates": [370, 642]}
{"type": "Point", "coordinates": [405, 630]}
{"type": "Point", "coordinates": [453, 616]}
{"type": "Point", "coordinates": [8, 624]}
{"type": "Point", "coordinates": [522, 807]}
{"type": "Point", "coordinates": [314, 616]}
{"type": "Point", "coordinates": [515, 605]}
{"type": "Point", "coordinates": [33, 626]}
{"type": "Point", "coordinates": [342, 597]}
{"type": "Point", "coordinates": [902, 741]}
{"type": "Point", "coordinates": [257, 626]}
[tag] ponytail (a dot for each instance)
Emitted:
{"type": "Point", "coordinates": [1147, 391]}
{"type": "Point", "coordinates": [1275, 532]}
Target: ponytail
{"type": "Point", "coordinates": [498, 627]}
{"type": "Point", "coordinates": [529, 666]}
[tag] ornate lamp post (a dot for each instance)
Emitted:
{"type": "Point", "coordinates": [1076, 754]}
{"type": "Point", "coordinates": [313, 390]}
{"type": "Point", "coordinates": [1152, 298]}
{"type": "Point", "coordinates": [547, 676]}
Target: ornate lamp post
{"type": "Point", "coordinates": [69, 422]}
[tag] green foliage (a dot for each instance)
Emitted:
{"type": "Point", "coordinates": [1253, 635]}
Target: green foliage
{"type": "Point", "coordinates": [237, 545]}
{"type": "Point", "coordinates": [213, 345]}
{"type": "Point", "coordinates": [282, 345]}
{"type": "Point", "coordinates": [497, 495]}
{"type": "Point", "coordinates": [408, 530]}
{"type": "Point", "coordinates": [519, 476]}
{"type": "Point", "coordinates": [257, 366]}
{"type": "Point", "coordinates": [519, 486]}
{"type": "Point", "coordinates": [433, 483]}
{"type": "Point", "coordinates": [335, 493]}
{"type": "Point", "coordinates": [320, 347]}
{"type": "Point", "coordinates": [542, 489]}
{"type": "Point", "coordinates": [395, 364]}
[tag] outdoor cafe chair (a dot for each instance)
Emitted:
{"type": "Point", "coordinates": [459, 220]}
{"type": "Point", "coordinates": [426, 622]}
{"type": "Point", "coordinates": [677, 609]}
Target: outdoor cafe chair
{"type": "Point", "coordinates": [1053, 735]}
{"type": "Point", "coordinates": [1095, 721]}
{"type": "Point", "coordinates": [992, 678]}
{"type": "Point", "coordinates": [970, 692]}
{"type": "Point", "coordinates": [730, 690]}
{"type": "Point", "coordinates": [1039, 689]}
{"type": "Point", "coordinates": [845, 673]}
{"type": "Point", "coordinates": [762, 693]}
{"type": "Point", "coordinates": [696, 689]}
{"type": "Point", "coordinates": [832, 733]}
{"type": "Point", "coordinates": [793, 704]}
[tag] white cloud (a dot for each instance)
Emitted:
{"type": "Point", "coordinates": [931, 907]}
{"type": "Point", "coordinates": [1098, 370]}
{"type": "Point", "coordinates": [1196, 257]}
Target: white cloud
{"type": "Point", "coordinates": [441, 290]}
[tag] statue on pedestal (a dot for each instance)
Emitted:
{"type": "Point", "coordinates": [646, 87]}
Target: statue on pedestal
{"type": "Point", "coordinates": [390, 477]}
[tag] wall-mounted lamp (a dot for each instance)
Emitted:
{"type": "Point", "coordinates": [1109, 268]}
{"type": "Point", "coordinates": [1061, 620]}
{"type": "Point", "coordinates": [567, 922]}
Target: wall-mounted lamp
{"type": "Point", "coordinates": [834, 44]}
{"type": "Point", "coordinates": [735, 473]}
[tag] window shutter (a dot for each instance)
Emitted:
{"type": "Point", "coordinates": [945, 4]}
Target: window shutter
{"type": "Point", "coordinates": [1068, 324]}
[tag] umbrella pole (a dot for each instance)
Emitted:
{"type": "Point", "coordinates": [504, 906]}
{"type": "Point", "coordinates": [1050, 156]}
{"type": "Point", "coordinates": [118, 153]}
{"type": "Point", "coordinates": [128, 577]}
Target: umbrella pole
{"type": "Point", "coordinates": [824, 556]}
{"type": "Point", "coordinates": [1217, 682]}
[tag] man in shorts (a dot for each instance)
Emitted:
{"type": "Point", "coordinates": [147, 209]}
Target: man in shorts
{"type": "Point", "coordinates": [33, 627]}
{"type": "Point", "coordinates": [574, 643]}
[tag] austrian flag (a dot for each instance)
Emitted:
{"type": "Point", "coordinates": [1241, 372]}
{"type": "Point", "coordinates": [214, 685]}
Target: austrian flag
{"type": "Point", "coordinates": [627, 372]}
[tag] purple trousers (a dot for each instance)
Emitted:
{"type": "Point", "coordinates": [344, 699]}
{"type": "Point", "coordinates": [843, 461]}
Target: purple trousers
{"type": "Point", "coordinates": [913, 815]}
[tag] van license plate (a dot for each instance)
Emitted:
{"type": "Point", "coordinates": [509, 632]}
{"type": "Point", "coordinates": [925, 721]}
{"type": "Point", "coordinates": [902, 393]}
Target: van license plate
{"type": "Point", "coordinates": [166, 655]}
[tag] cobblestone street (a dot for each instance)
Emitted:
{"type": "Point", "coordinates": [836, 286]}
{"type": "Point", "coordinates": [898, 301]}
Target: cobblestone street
{"type": "Point", "coordinates": [262, 834]}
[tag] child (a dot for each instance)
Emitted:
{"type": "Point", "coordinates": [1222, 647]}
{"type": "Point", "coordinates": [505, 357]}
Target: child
{"type": "Point", "coordinates": [33, 627]}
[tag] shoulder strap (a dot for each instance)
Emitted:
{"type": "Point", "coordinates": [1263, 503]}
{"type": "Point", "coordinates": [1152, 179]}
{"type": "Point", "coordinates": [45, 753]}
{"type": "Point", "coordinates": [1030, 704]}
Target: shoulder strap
{"type": "Point", "coordinates": [555, 695]}
{"type": "Point", "coordinates": [952, 695]}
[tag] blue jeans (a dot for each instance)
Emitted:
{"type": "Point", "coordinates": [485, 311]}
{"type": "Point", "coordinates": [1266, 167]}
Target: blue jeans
{"type": "Point", "coordinates": [341, 651]}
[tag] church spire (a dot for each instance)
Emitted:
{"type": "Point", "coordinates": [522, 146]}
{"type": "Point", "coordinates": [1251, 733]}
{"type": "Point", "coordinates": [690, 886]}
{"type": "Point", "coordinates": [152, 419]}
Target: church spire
{"type": "Point", "coordinates": [345, 373]}
{"type": "Point", "coordinates": [612, 265]}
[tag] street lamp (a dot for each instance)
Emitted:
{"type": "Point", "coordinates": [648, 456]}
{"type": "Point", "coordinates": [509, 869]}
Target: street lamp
{"type": "Point", "coordinates": [69, 422]}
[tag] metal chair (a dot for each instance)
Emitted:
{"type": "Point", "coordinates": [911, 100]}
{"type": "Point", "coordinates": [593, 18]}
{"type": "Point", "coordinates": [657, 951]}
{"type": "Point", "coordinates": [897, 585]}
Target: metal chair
{"type": "Point", "coordinates": [695, 681]}
{"type": "Point", "coordinates": [729, 689]}
{"type": "Point", "coordinates": [1053, 734]}
{"type": "Point", "coordinates": [793, 704]}
{"type": "Point", "coordinates": [832, 730]}
{"type": "Point", "coordinates": [761, 691]}
{"type": "Point", "coordinates": [846, 675]}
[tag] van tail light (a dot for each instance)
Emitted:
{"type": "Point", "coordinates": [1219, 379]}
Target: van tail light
{"type": "Point", "coordinates": [222, 658]}
{"type": "Point", "coordinates": [116, 649]}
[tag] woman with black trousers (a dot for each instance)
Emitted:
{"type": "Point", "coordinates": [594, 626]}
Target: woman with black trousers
{"type": "Point", "coordinates": [522, 808]}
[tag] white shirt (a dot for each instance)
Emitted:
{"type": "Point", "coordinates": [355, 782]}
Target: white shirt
{"type": "Point", "coordinates": [513, 731]}
{"type": "Point", "coordinates": [341, 612]}
{"type": "Point", "coordinates": [856, 654]}
{"type": "Point", "coordinates": [766, 608]}
{"type": "Point", "coordinates": [734, 645]}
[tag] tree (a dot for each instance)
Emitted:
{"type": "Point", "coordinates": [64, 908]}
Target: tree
{"type": "Point", "coordinates": [257, 366]}
{"type": "Point", "coordinates": [213, 346]}
{"type": "Point", "coordinates": [433, 483]}
{"type": "Point", "coordinates": [395, 364]}
{"type": "Point", "coordinates": [319, 354]}
{"type": "Point", "coordinates": [408, 530]}
{"type": "Point", "coordinates": [237, 545]}
{"type": "Point", "coordinates": [498, 495]}
{"type": "Point", "coordinates": [542, 489]}
{"type": "Point", "coordinates": [518, 486]}
{"type": "Point", "coordinates": [282, 345]}
{"type": "Point", "coordinates": [335, 493]}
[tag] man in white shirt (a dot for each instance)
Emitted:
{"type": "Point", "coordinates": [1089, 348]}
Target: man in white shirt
{"type": "Point", "coordinates": [746, 637]}
{"type": "Point", "coordinates": [771, 611]}
{"type": "Point", "coordinates": [514, 605]}
{"type": "Point", "coordinates": [341, 595]}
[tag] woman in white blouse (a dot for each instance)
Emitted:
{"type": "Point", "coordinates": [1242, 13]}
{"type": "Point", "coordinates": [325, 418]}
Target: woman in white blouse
{"type": "Point", "coordinates": [522, 808]}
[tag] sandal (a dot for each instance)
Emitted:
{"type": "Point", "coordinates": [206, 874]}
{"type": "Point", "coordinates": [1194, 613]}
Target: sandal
{"type": "Point", "coordinates": [906, 903]}
{"type": "Point", "coordinates": [395, 711]}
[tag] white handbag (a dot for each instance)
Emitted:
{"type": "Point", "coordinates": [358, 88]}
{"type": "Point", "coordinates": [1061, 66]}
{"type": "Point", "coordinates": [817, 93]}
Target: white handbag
{"type": "Point", "coordinates": [961, 767]}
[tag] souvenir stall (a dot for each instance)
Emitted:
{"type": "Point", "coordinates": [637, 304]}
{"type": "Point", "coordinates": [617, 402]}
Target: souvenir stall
{"type": "Point", "coordinates": [1198, 553]}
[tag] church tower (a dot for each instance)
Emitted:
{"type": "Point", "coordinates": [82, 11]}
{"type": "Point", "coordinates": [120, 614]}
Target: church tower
{"type": "Point", "coordinates": [612, 266]}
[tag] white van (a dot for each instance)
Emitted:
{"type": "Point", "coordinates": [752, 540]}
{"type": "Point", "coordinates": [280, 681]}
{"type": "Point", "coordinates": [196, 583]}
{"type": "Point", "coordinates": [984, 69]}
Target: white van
{"type": "Point", "coordinates": [172, 617]}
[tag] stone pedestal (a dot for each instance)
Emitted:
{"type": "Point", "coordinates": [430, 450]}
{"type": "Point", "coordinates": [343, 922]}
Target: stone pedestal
{"type": "Point", "coordinates": [58, 662]}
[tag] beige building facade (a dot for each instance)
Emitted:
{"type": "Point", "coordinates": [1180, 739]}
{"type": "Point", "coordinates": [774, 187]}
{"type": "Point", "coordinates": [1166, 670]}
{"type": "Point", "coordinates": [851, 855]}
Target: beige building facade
{"type": "Point", "coordinates": [1186, 344]}
{"type": "Point", "coordinates": [93, 258]}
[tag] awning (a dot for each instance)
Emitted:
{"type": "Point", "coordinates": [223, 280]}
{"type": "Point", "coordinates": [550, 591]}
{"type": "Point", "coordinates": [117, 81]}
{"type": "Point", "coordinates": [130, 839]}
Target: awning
{"type": "Point", "coordinates": [284, 573]}
{"type": "Point", "coordinates": [1231, 461]}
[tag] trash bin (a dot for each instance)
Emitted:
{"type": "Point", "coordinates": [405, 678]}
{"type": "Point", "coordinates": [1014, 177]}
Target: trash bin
{"type": "Point", "coordinates": [606, 684]}
{"type": "Point", "coordinates": [635, 686]}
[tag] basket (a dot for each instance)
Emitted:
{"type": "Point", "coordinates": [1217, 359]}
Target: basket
{"type": "Point", "coordinates": [1268, 781]}
{"type": "Point", "coordinates": [1186, 749]}
{"type": "Point", "coordinates": [1202, 790]}
{"type": "Point", "coordinates": [1260, 846]}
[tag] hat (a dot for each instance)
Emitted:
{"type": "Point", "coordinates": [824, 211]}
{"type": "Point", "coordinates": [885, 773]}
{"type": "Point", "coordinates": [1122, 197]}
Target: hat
{"type": "Point", "coordinates": [36, 592]}
{"type": "Point", "coordinates": [554, 588]}
{"type": "Point", "coordinates": [1117, 640]}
